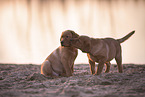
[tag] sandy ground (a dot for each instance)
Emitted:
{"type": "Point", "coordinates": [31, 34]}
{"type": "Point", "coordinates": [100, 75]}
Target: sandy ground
{"type": "Point", "coordinates": [26, 81]}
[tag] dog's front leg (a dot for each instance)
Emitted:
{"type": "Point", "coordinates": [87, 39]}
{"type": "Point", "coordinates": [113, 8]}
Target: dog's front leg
{"type": "Point", "coordinates": [92, 66]}
{"type": "Point", "coordinates": [72, 67]}
{"type": "Point", "coordinates": [67, 67]}
{"type": "Point", "coordinates": [99, 68]}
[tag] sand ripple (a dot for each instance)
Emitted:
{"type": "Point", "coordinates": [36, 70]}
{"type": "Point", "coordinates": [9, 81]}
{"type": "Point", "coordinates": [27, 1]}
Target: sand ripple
{"type": "Point", "coordinates": [26, 80]}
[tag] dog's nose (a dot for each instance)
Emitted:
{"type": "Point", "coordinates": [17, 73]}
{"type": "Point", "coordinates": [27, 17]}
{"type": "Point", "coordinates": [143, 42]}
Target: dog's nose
{"type": "Point", "coordinates": [62, 43]}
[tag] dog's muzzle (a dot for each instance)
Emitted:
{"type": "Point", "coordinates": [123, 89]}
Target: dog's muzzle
{"type": "Point", "coordinates": [62, 43]}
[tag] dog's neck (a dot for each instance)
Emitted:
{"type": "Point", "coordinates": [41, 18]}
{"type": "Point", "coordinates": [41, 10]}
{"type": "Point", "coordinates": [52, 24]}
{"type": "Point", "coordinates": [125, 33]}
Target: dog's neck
{"type": "Point", "coordinates": [70, 48]}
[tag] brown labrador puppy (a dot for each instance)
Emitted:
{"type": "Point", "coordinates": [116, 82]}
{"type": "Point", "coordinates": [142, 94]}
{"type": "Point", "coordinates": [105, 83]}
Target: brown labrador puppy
{"type": "Point", "coordinates": [101, 51]}
{"type": "Point", "coordinates": [60, 62]}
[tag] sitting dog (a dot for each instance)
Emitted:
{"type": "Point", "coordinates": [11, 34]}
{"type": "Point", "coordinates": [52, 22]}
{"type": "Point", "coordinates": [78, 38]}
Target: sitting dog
{"type": "Point", "coordinates": [101, 51]}
{"type": "Point", "coordinates": [60, 62]}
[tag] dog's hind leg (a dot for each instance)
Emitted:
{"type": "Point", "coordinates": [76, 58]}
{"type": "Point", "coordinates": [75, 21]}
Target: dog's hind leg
{"type": "Point", "coordinates": [108, 64]}
{"type": "Point", "coordinates": [118, 59]}
{"type": "Point", "coordinates": [47, 70]}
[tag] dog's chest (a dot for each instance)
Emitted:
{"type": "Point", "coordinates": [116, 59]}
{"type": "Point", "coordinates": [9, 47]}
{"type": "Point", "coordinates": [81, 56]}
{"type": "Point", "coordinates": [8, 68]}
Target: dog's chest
{"type": "Point", "coordinates": [94, 58]}
{"type": "Point", "coordinates": [73, 56]}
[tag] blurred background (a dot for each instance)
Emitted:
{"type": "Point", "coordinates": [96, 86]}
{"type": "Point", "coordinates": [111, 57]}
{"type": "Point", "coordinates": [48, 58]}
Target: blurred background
{"type": "Point", "coordinates": [30, 29]}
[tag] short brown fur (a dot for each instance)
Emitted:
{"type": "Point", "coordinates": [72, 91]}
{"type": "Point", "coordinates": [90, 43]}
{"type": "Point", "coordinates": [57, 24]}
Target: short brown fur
{"type": "Point", "coordinates": [101, 51]}
{"type": "Point", "coordinates": [61, 61]}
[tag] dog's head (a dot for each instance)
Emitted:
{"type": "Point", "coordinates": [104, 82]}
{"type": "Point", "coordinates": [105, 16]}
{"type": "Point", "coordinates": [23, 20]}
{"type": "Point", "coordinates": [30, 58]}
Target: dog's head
{"type": "Point", "coordinates": [82, 42]}
{"type": "Point", "coordinates": [66, 36]}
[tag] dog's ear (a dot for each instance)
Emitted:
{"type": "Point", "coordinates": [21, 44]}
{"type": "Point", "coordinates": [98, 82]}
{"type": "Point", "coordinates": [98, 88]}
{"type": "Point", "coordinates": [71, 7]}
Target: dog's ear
{"type": "Point", "coordinates": [74, 39]}
{"type": "Point", "coordinates": [74, 35]}
{"type": "Point", "coordinates": [74, 42]}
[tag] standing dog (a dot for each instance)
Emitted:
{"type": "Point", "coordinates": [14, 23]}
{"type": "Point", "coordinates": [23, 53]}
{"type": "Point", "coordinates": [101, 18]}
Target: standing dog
{"type": "Point", "coordinates": [60, 62]}
{"type": "Point", "coordinates": [101, 51]}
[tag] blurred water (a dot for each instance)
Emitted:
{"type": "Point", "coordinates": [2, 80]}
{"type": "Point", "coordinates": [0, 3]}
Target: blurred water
{"type": "Point", "coordinates": [30, 29]}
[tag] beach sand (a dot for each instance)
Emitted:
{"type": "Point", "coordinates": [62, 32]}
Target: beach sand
{"type": "Point", "coordinates": [26, 81]}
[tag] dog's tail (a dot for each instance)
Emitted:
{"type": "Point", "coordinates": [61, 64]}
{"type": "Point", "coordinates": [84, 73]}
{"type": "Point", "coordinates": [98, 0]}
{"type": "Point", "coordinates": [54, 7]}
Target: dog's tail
{"type": "Point", "coordinates": [126, 37]}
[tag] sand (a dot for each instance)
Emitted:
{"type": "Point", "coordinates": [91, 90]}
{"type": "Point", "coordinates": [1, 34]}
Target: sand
{"type": "Point", "coordinates": [26, 81]}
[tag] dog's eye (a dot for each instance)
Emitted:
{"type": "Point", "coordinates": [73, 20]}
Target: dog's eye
{"type": "Point", "coordinates": [66, 36]}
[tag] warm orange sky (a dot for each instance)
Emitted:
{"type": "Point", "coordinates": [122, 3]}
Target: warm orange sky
{"type": "Point", "coordinates": [30, 30]}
